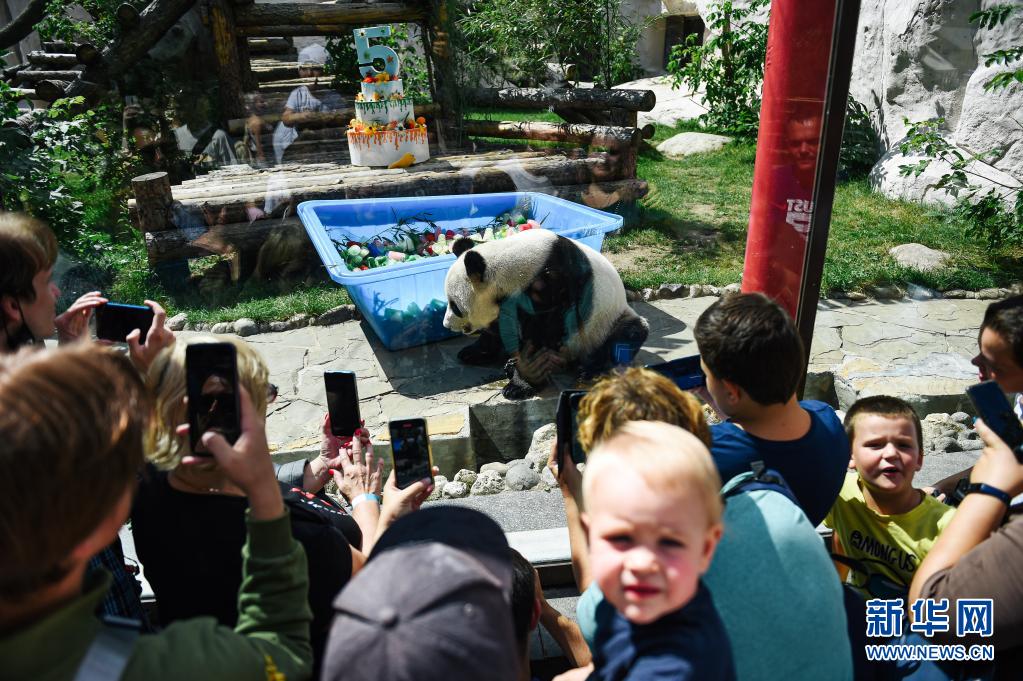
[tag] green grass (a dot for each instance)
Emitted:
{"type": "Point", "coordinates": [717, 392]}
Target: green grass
{"type": "Point", "coordinates": [690, 228]}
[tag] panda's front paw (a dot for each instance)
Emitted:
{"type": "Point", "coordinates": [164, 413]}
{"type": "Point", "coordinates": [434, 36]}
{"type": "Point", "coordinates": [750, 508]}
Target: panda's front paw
{"type": "Point", "coordinates": [518, 391]}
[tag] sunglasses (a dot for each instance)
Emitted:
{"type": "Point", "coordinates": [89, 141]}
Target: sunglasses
{"type": "Point", "coordinates": [271, 393]}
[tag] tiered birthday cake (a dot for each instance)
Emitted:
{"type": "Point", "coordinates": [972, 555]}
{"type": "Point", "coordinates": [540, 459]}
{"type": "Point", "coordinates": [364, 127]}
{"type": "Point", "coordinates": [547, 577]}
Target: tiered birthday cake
{"type": "Point", "coordinates": [385, 130]}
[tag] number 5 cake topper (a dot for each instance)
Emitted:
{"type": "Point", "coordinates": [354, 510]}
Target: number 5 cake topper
{"type": "Point", "coordinates": [369, 53]}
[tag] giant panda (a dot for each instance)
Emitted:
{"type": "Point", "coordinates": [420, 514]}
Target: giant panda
{"type": "Point", "coordinates": [537, 290]}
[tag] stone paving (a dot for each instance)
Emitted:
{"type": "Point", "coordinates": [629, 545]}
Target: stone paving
{"type": "Point", "coordinates": [916, 349]}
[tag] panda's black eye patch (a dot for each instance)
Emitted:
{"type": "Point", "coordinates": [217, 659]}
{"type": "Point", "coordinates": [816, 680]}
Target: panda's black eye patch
{"type": "Point", "coordinates": [454, 308]}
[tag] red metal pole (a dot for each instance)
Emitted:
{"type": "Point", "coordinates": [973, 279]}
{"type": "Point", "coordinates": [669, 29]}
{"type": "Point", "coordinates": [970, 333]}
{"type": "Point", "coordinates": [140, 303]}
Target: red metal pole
{"type": "Point", "coordinates": [799, 41]}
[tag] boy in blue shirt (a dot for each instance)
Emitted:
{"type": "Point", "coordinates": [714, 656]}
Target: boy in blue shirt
{"type": "Point", "coordinates": [753, 358]}
{"type": "Point", "coordinates": [653, 520]}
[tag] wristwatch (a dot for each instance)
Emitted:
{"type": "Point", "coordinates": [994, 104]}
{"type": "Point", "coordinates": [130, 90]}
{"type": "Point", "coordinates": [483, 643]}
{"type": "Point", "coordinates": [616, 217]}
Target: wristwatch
{"type": "Point", "coordinates": [982, 488]}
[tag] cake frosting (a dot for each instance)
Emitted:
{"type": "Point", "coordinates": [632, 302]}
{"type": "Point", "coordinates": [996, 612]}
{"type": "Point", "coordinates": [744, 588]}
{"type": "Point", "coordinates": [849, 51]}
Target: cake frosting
{"type": "Point", "coordinates": [385, 130]}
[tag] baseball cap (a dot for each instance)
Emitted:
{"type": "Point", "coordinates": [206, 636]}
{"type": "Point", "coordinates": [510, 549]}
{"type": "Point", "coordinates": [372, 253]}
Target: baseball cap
{"type": "Point", "coordinates": [432, 602]}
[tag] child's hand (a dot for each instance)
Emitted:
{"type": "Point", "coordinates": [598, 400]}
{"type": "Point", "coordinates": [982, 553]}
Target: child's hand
{"type": "Point", "coordinates": [997, 465]}
{"type": "Point", "coordinates": [73, 324]}
{"type": "Point", "coordinates": [577, 674]}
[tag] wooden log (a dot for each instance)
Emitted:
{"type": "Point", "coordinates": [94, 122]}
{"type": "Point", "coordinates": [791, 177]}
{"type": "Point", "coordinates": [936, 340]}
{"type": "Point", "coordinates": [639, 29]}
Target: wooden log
{"type": "Point", "coordinates": [152, 202]}
{"type": "Point", "coordinates": [24, 121]}
{"type": "Point", "coordinates": [260, 46]}
{"type": "Point", "coordinates": [127, 16]}
{"type": "Point", "coordinates": [600, 195]}
{"type": "Point", "coordinates": [322, 119]}
{"type": "Point", "coordinates": [279, 71]}
{"type": "Point", "coordinates": [22, 25]}
{"type": "Point", "coordinates": [63, 46]}
{"type": "Point", "coordinates": [33, 76]}
{"type": "Point", "coordinates": [443, 72]}
{"type": "Point", "coordinates": [24, 93]}
{"type": "Point", "coordinates": [341, 14]}
{"type": "Point", "coordinates": [88, 54]}
{"type": "Point", "coordinates": [52, 60]}
{"type": "Point", "coordinates": [51, 90]}
{"type": "Point", "coordinates": [177, 244]}
{"type": "Point", "coordinates": [648, 131]}
{"type": "Point", "coordinates": [570, 98]}
{"type": "Point", "coordinates": [10, 71]}
{"type": "Point", "coordinates": [249, 82]}
{"type": "Point", "coordinates": [291, 30]}
{"type": "Point", "coordinates": [597, 135]}
{"type": "Point", "coordinates": [225, 47]}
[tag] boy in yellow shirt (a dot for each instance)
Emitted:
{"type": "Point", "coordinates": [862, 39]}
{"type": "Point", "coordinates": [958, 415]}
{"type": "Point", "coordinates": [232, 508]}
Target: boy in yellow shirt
{"type": "Point", "coordinates": [883, 526]}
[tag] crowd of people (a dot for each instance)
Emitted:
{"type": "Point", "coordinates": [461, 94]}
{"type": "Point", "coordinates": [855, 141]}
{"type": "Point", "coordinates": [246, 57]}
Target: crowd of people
{"type": "Point", "coordinates": [695, 547]}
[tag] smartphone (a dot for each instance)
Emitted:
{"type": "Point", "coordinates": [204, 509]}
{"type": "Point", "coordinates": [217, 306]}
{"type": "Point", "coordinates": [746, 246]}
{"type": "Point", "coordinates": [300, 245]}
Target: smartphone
{"type": "Point", "coordinates": [686, 372]}
{"type": "Point", "coordinates": [567, 425]}
{"type": "Point", "coordinates": [410, 449]}
{"type": "Point", "coordinates": [342, 402]}
{"type": "Point", "coordinates": [114, 321]}
{"type": "Point", "coordinates": [994, 408]}
{"type": "Point", "coordinates": [211, 371]}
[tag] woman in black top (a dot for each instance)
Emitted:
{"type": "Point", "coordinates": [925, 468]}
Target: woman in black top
{"type": "Point", "coordinates": [188, 520]}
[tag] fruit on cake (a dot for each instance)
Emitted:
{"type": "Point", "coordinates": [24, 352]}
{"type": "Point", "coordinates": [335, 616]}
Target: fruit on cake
{"type": "Point", "coordinates": [385, 130]}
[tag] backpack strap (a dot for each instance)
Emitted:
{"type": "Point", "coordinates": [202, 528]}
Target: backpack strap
{"type": "Point", "coordinates": [763, 478]}
{"type": "Point", "coordinates": [107, 657]}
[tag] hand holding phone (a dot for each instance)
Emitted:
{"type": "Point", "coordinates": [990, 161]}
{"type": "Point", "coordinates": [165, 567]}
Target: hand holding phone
{"type": "Point", "coordinates": [410, 449]}
{"type": "Point", "coordinates": [686, 372]}
{"type": "Point", "coordinates": [994, 408]}
{"type": "Point", "coordinates": [212, 381]}
{"type": "Point", "coordinates": [115, 321]}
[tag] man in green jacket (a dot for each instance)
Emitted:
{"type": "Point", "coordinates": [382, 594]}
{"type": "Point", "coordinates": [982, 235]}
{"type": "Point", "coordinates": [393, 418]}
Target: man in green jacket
{"type": "Point", "coordinates": [72, 424]}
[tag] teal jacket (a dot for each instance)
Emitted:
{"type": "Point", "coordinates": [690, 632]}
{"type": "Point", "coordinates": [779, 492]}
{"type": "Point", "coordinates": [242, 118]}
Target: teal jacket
{"type": "Point", "coordinates": [272, 635]}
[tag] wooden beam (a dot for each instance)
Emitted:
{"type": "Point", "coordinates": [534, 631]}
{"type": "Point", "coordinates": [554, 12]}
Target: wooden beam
{"type": "Point", "coordinates": [259, 46]}
{"type": "Point", "coordinates": [22, 25]}
{"type": "Point", "coordinates": [179, 244]}
{"type": "Point", "coordinates": [51, 90]}
{"type": "Point", "coordinates": [316, 15]}
{"type": "Point", "coordinates": [88, 54]}
{"type": "Point", "coordinates": [597, 135]}
{"type": "Point", "coordinates": [569, 98]}
{"type": "Point", "coordinates": [34, 76]}
{"type": "Point", "coordinates": [52, 60]}
{"type": "Point", "coordinates": [225, 48]}
{"type": "Point", "coordinates": [63, 46]}
{"type": "Point", "coordinates": [127, 16]}
{"type": "Point", "coordinates": [321, 119]}
{"type": "Point", "coordinates": [601, 195]}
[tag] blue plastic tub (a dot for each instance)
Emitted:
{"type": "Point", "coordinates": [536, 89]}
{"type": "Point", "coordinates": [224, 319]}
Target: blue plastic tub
{"type": "Point", "coordinates": [405, 302]}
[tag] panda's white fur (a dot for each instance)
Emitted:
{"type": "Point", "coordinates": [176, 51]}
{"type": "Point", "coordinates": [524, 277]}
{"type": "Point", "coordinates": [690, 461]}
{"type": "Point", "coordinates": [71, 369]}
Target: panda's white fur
{"type": "Point", "coordinates": [511, 265]}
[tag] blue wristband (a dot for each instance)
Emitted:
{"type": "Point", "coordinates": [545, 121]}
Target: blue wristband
{"type": "Point", "coordinates": [364, 497]}
{"type": "Point", "coordinates": [982, 488]}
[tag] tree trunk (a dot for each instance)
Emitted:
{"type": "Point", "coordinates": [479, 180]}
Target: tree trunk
{"type": "Point", "coordinates": [23, 24]}
{"type": "Point", "coordinates": [52, 60]}
{"type": "Point", "coordinates": [225, 47]}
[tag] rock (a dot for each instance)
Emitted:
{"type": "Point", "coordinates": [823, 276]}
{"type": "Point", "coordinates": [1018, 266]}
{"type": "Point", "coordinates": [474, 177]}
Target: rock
{"type": "Point", "coordinates": [177, 322]}
{"type": "Point", "coordinates": [919, 257]}
{"type": "Point", "coordinates": [971, 445]}
{"type": "Point", "coordinates": [201, 326]}
{"type": "Point", "coordinates": [957, 293]}
{"type": "Point", "coordinates": [732, 289]}
{"type": "Point", "coordinates": [886, 292]}
{"type": "Point", "coordinates": [856, 295]}
{"type": "Point", "coordinates": [299, 320]}
{"type": "Point", "coordinates": [547, 478]}
{"type": "Point", "coordinates": [540, 446]}
{"type": "Point", "coordinates": [465, 475]}
{"type": "Point", "coordinates": [246, 327]}
{"type": "Point", "coordinates": [934, 383]}
{"type": "Point", "coordinates": [487, 483]}
{"type": "Point", "coordinates": [277, 327]}
{"type": "Point", "coordinates": [711, 290]}
{"type": "Point", "coordinates": [669, 291]}
{"type": "Point", "coordinates": [632, 296]}
{"type": "Point", "coordinates": [223, 327]}
{"type": "Point", "coordinates": [495, 466]}
{"type": "Point", "coordinates": [991, 293]}
{"type": "Point", "coordinates": [438, 488]}
{"type": "Point", "coordinates": [701, 290]}
{"type": "Point", "coordinates": [687, 143]}
{"type": "Point", "coordinates": [518, 462]}
{"type": "Point", "coordinates": [648, 294]}
{"type": "Point", "coordinates": [917, 292]}
{"type": "Point", "coordinates": [341, 313]}
{"type": "Point", "coordinates": [960, 417]}
{"type": "Point", "coordinates": [946, 444]}
{"type": "Point", "coordinates": [520, 478]}
{"type": "Point", "coordinates": [456, 490]}
{"type": "Point", "coordinates": [673, 105]}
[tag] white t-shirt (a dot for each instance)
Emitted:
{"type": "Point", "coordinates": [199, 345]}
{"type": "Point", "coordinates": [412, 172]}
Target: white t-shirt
{"type": "Point", "coordinates": [301, 100]}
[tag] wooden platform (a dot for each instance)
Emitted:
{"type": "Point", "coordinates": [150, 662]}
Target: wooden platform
{"type": "Point", "coordinates": [230, 195]}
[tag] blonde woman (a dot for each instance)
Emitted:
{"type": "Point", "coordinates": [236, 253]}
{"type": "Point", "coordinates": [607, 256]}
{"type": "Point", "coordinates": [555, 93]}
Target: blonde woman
{"type": "Point", "coordinates": [189, 518]}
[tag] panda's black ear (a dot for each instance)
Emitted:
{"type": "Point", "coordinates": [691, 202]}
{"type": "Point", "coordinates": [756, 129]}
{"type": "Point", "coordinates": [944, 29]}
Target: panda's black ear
{"type": "Point", "coordinates": [461, 245]}
{"type": "Point", "coordinates": [475, 266]}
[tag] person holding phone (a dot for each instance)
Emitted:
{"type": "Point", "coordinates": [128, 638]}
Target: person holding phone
{"type": "Point", "coordinates": [72, 422]}
{"type": "Point", "coordinates": [980, 556]}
